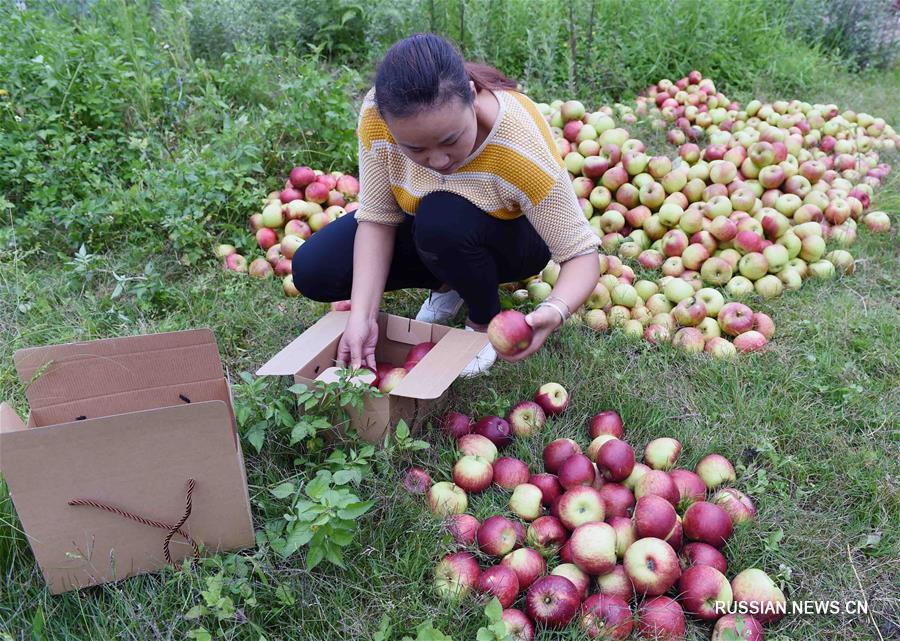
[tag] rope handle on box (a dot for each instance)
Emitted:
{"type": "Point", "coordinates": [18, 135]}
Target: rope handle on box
{"type": "Point", "coordinates": [172, 529]}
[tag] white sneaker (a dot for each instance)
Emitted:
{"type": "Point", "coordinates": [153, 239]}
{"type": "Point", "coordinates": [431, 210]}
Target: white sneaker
{"type": "Point", "coordinates": [440, 307]}
{"type": "Point", "coordinates": [482, 361]}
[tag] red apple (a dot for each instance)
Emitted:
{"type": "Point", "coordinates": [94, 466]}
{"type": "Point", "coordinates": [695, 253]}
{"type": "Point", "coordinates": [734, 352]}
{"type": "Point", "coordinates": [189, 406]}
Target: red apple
{"type": "Point", "coordinates": [617, 500]}
{"type": "Point", "coordinates": [738, 505]}
{"type": "Point", "coordinates": [661, 453]}
{"type": "Point", "coordinates": [654, 516]}
{"type": "Point", "coordinates": [715, 470]}
{"type": "Point", "coordinates": [445, 498]}
{"type": "Point", "coordinates": [606, 617]}
{"type": "Point", "coordinates": [552, 601]}
{"type": "Point", "coordinates": [455, 576]}
{"type": "Point", "coordinates": [750, 628]}
{"type": "Point", "coordinates": [616, 583]}
{"type": "Point", "coordinates": [495, 429]}
{"type": "Point", "coordinates": [477, 445]}
{"type": "Point", "coordinates": [525, 501]}
{"type": "Point", "coordinates": [652, 565]}
{"type": "Point", "coordinates": [456, 424]}
{"type": "Point", "coordinates": [528, 565]}
{"type": "Point", "coordinates": [607, 422]}
{"type": "Point", "coordinates": [417, 353]}
{"type": "Point", "coordinates": [509, 333]}
{"type": "Point", "coordinates": [556, 452]}
{"type": "Point", "coordinates": [704, 592]}
{"type": "Point", "coordinates": [707, 523]}
{"type": "Point", "coordinates": [546, 534]}
{"type": "Point", "coordinates": [579, 505]}
{"type": "Point", "coordinates": [496, 536]}
{"type": "Point", "coordinates": [391, 379]}
{"type": "Point", "coordinates": [416, 481]}
{"type": "Point", "coordinates": [302, 176]}
{"type": "Point", "coordinates": [501, 582]}
{"type": "Point", "coordinates": [549, 485]}
{"type": "Point", "coordinates": [702, 554]}
{"type": "Point", "coordinates": [552, 397]}
{"type": "Point", "coordinates": [518, 625]}
{"type": "Point", "coordinates": [594, 547]}
{"type": "Point", "coordinates": [755, 592]}
{"type": "Point", "coordinates": [510, 472]}
{"type": "Point", "coordinates": [473, 474]}
{"type": "Point", "coordinates": [658, 483]}
{"type": "Point", "coordinates": [615, 460]}
{"type": "Point", "coordinates": [660, 619]}
{"type": "Point", "coordinates": [462, 528]}
{"type": "Point", "coordinates": [526, 418]}
{"type": "Point", "coordinates": [576, 470]}
{"type": "Point", "coordinates": [691, 487]}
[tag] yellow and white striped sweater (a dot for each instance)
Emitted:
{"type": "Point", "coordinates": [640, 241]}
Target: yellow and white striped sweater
{"type": "Point", "coordinates": [516, 171]}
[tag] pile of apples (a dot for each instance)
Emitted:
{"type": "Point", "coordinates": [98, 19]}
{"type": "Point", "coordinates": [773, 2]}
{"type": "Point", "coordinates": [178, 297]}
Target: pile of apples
{"type": "Point", "coordinates": [751, 213]}
{"type": "Point", "coordinates": [309, 201]}
{"type": "Point", "coordinates": [633, 546]}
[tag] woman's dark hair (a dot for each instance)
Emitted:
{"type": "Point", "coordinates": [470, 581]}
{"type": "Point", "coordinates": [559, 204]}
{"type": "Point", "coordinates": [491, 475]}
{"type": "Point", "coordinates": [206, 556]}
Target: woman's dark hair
{"type": "Point", "coordinates": [424, 70]}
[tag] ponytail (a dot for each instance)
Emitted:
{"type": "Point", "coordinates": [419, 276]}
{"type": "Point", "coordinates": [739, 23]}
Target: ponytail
{"type": "Point", "coordinates": [425, 69]}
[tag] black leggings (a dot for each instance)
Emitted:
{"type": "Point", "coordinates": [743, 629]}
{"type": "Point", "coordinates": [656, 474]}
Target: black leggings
{"type": "Point", "coordinates": [449, 241]}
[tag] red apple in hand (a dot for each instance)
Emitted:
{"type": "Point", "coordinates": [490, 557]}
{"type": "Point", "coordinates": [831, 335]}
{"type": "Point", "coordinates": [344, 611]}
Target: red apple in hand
{"type": "Point", "coordinates": [606, 617]}
{"type": "Point", "coordinates": [509, 333]}
{"type": "Point", "coordinates": [607, 422]}
{"type": "Point", "coordinates": [615, 460]}
{"type": "Point", "coordinates": [707, 523]}
{"type": "Point", "coordinates": [660, 619]}
{"type": "Point", "coordinates": [704, 592]}
{"type": "Point", "coordinates": [552, 601]}
{"type": "Point", "coordinates": [526, 419]}
{"type": "Point", "coordinates": [501, 582]}
{"type": "Point", "coordinates": [552, 397]}
{"type": "Point", "coordinates": [652, 565]}
{"type": "Point", "coordinates": [495, 429]}
{"type": "Point", "coordinates": [455, 576]}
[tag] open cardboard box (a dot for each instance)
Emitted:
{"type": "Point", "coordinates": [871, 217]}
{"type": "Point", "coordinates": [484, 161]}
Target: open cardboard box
{"type": "Point", "coordinates": [308, 357]}
{"type": "Point", "coordinates": [125, 422]}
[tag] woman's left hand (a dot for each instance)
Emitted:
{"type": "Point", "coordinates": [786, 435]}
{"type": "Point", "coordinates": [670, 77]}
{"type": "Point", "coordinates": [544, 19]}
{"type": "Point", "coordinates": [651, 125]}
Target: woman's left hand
{"type": "Point", "coordinates": [543, 321]}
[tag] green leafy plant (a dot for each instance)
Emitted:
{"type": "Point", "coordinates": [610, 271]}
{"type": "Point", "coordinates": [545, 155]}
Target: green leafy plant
{"type": "Point", "coordinates": [496, 629]}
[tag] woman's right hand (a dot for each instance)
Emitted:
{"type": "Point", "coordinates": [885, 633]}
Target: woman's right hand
{"type": "Point", "coordinates": [357, 346]}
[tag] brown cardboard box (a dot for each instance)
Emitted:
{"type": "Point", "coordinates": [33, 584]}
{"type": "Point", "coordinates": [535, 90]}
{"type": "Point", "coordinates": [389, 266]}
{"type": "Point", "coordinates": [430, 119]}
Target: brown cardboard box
{"type": "Point", "coordinates": [315, 351]}
{"type": "Point", "coordinates": [125, 422]}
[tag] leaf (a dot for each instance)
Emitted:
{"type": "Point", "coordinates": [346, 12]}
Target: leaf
{"type": "Point", "coordinates": [485, 635]}
{"type": "Point", "coordinates": [402, 430]}
{"type": "Point", "coordinates": [342, 477]}
{"type": "Point", "coordinates": [314, 557]}
{"type": "Point", "coordinates": [319, 485]}
{"type": "Point", "coordinates": [355, 510]}
{"type": "Point", "coordinates": [493, 610]}
{"type": "Point", "coordinates": [196, 612]}
{"type": "Point", "coordinates": [200, 634]}
{"type": "Point", "coordinates": [283, 490]}
{"type": "Point", "coordinates": [384, 629]}
{"type": "Point", "coordinates": [256, 435]}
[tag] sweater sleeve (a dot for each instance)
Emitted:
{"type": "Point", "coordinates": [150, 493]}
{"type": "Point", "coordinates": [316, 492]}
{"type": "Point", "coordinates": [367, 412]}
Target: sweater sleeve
{"type": "Point", "coordinates": [561, 223]}
{"type": "Point", "coordinates": [377, 202]}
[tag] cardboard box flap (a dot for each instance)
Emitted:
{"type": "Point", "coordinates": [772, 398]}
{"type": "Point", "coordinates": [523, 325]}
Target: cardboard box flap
{"type": "Point", "coordinates": [441, 366]}
{"type": "Point", "coordinates": [305, 347]}
{"type": "Point", "coordinates": [407, 330]}
{"type": "Point", "coordinates": [76, 371]}
{"type": "Point", "coordinates": [138, 462]}
{"type": "Point", "coordinates": [9, 420]}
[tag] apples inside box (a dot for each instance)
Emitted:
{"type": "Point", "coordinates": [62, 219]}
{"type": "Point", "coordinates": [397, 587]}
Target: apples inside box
{"type": "Point", "coordinates": [313, 355]}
